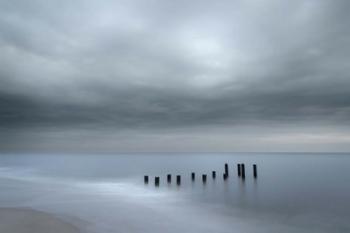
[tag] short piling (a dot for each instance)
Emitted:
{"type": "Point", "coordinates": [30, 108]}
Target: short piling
{"type": "Point", "coordinates": [213, 174]}
{"type": "Point", "coordinates": [193, 176]}
{"type": "Point", "coordinates": [178, 179]}
{"type": "Point", "coordinates": [168, 178]}
{"type": "Point", "coordinates": [239, 169]}
{"type": "Point", "coordinates": [145, 179]}
{"type": "Point", "coordinates": [156, 181]}
{"type": "Point", "coordinates": [226, 169]}
{"type": "Point", "coordinates": [255, 172]}
{"type": "Point", "coordinates": [204, 178]}
{"type": "Point", "coordinates": [224, 176]}
{"type": "Point", "coordinates": [243, 171]}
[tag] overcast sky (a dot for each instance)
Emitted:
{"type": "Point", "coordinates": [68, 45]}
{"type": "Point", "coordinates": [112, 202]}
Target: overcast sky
{"type": "Point", "coordinates": [164, 75]}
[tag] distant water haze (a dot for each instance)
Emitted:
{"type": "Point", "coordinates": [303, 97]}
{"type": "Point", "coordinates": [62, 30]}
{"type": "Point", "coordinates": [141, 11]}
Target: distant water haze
{"type": "Point", "coordinates": [106, 193]}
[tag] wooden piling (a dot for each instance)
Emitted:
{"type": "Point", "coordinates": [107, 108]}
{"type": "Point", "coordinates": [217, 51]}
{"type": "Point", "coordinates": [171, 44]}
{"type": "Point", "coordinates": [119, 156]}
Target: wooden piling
{"type": "Point", "coordinates": [193, 176]}
{"type": "Point", "coordinates": [243, 171]}
{"type": "Point", "coordinates": [255, 172]}
{"type": "Point", "coordinates": [145, 178]}
{"type": "Point", "coordinates": [239, 169]}
{"type": "Point", "coordinates": [213, 174]}
{"type": "Point", "coordinates": [156, 181]}
{"type": "Point", "coordinates": [224, 176]}
{"type": "Point", "coordinates": [178, 179]}
{"type": "Point", "coordinates": [204, 178]}
{"type": "Point", "coordinates": [226, 169]}
{"type": "Point", "coordinates": [168, 178]}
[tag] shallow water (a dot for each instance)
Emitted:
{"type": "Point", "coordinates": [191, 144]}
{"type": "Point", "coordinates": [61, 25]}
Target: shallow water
{"type": "Point", "coordinates": [106, 193]}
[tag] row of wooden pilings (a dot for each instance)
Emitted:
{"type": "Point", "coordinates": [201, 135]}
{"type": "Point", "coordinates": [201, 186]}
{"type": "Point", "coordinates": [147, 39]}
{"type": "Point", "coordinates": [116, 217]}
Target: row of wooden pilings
{"type": "Point", "coordinates": [240, 173]}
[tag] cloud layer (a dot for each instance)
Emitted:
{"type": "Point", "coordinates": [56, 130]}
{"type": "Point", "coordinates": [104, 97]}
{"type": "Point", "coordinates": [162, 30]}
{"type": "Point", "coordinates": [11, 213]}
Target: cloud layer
{"type": "Point", "coordinates": [178, 68]}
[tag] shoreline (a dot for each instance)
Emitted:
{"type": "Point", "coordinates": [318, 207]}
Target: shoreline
{"type": "Point", "coordinates": [26, 220]}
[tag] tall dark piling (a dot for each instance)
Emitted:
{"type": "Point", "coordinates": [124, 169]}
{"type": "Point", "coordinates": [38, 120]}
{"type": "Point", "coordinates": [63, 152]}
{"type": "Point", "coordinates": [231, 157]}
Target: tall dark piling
{"type": "Point", "coordinates": [168, 178]}
{"type": "Point", "coordinates": [193, 176]}
{"type": "Point", "coordinates": [145, 179]}
{"type": "Point", "coordinates": [204, 178]}
{"type": "Point", "coordinates": [156, 181]}
{"type": "Point", "coordinates": [178, 179]}
{"type": "Point", "coordinates": [239, 169]}
{"type": "Point", "coordinates": [242, 171]}
{"type": "Point", "coordinates": [226, 169]}
{"type": "Point", "coordinates": [213, 174]}
{"type": "Point", "coordinates": [255, 172]}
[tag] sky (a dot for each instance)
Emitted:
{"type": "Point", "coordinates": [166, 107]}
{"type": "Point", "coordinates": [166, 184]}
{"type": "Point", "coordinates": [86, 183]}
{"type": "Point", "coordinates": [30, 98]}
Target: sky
{"type": "Point", "coordinates": [174, 76]}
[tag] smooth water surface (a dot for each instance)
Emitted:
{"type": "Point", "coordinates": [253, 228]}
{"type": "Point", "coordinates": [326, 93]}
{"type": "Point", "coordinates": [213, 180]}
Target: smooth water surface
{"type": "Point", "coordinates": [106, 193]}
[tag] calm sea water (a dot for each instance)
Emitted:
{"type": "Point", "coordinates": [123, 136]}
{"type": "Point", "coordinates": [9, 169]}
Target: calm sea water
{"type": "Point", "coordinates": [106, 193]}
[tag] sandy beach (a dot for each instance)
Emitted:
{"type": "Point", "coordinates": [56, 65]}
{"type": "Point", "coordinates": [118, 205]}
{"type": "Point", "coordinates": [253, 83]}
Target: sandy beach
{"type": "Point", "coordinates": [23, 220]}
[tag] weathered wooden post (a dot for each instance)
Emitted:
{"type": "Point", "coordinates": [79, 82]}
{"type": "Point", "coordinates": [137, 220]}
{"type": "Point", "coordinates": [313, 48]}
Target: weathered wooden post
{"type": "Point", "coordinates": [224, 176]}
{"type": "Point", "coordinates": [178, 179]}
{"type": "Point", "coordinates": [145, 179]}
{"type": "Point", "coordinates": [156, 181]}
{"type": "Point", "coordinates": [243, 171]}
{"type": "Point", "coordinates": [193, 176]}
{"type": "Point", "coordinates": [204, 178]}
{"type": "Point", "coordinates": [255, 172]}
{"type": "Point", "coordinates": [239, 169]}
{"type": "Point", "coordinates": [168, 177]}
{"type": "Point", "coordinates": [213, 174]}
{"type": "Point", "coordinates": [226, 169]}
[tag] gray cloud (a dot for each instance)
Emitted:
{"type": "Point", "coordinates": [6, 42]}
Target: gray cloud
{"type": "Point", "coordinates": [173, 67]}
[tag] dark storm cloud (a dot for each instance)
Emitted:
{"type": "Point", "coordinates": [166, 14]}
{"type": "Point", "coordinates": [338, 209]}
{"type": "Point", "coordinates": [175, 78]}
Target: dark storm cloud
{"type": "Point", "coordinates": [153, 65]}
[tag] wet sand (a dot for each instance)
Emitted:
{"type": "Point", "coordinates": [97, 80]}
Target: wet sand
{"type": "Point", "coordinates": [23, 220]}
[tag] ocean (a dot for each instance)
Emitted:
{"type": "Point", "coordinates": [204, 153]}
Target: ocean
{"type": "Point", "coordinates": [102, 193]}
